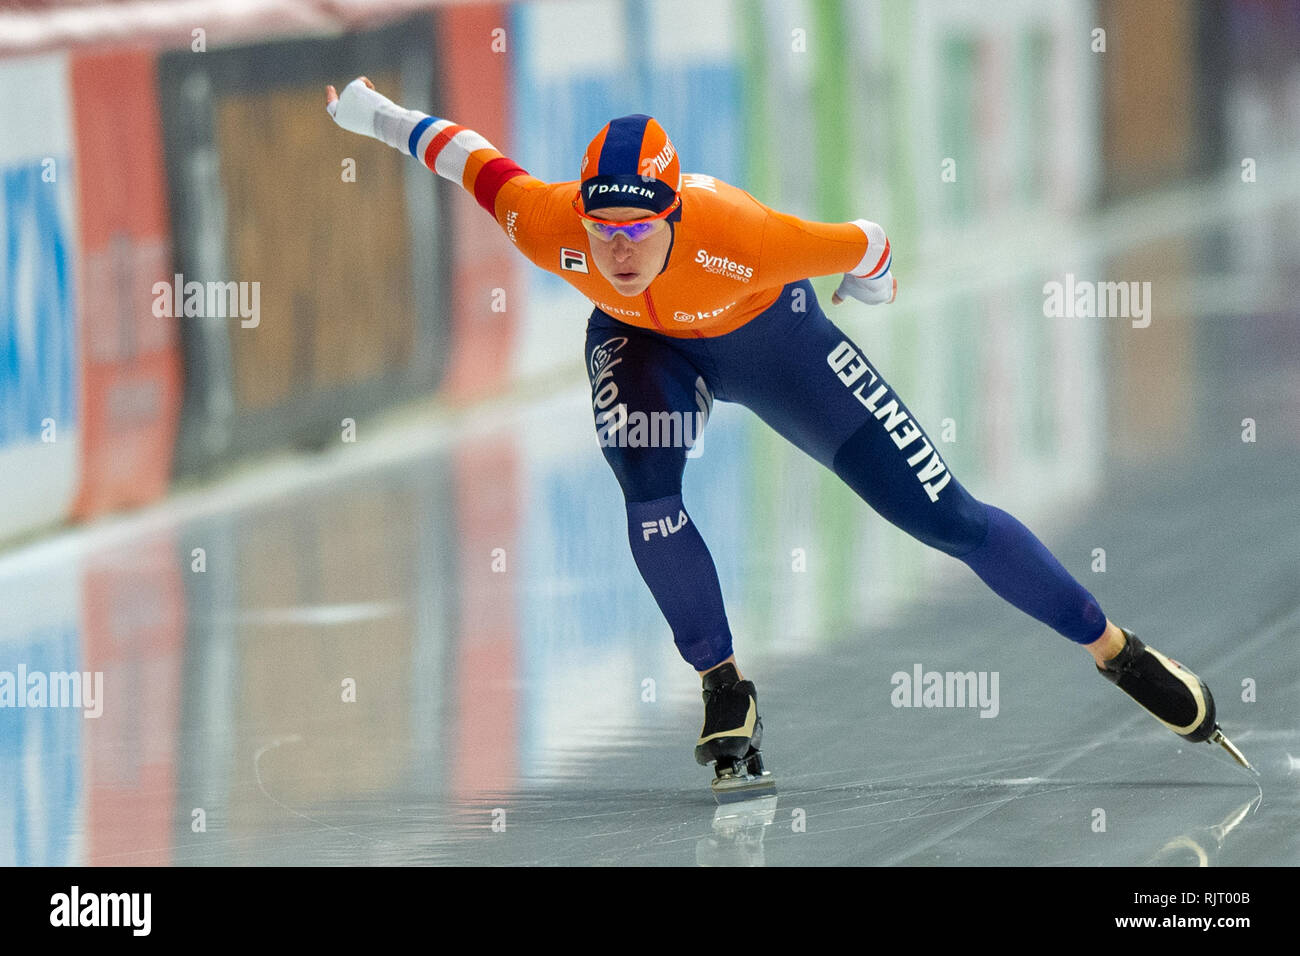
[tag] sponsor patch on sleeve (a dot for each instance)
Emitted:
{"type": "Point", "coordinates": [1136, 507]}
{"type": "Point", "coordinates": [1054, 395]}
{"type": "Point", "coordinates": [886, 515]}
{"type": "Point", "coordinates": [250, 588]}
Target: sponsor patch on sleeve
{"type": "Point", "coordinates": [573, 260]}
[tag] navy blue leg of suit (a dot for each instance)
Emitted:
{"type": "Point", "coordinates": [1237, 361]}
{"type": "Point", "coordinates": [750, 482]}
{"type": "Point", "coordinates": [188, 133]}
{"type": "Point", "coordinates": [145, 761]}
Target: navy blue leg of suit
{"type": "Point", "coordinates": [635, 375]}
{"type": "Point", "coordinates": [809, 382]}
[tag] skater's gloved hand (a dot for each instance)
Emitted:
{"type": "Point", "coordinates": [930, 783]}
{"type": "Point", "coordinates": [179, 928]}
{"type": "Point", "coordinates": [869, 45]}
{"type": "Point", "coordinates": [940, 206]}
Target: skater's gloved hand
{"type": "Point", "coordinates": [355, 111]}
{"type": "Point", "coordinates": [363, 109]}
{"type": "Point", "coordinates": [878, 291]}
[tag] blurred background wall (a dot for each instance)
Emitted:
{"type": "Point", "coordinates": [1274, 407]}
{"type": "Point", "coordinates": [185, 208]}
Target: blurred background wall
{"type": "Point", "coordinates": [146, 140]}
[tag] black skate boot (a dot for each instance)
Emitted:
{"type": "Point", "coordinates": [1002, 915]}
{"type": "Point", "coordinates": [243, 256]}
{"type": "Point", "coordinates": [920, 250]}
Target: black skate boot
{"type": "Point", "coordinates": [1169, 692]}
{"type": "Point", "coordinates": [731, 736]}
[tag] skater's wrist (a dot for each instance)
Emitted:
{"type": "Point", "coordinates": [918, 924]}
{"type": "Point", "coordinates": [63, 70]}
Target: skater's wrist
{"type": "Point", "coordinates": [361, 109]}
{"type": "Point", "coordinates": [877, 258]}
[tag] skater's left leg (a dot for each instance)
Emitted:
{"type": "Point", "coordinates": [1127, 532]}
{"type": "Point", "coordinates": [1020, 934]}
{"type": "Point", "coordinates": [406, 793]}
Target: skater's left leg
{"type": "Point", "coordinates": [804, 377]}
{"type": "Point", "coordinates": [808, 380]}
{"type": "Point", "coordinates": [1108, 646]}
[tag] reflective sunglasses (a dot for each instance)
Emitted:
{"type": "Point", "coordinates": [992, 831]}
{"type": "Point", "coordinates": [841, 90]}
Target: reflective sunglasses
{"type": "Point", "coordinates": [635, 229]}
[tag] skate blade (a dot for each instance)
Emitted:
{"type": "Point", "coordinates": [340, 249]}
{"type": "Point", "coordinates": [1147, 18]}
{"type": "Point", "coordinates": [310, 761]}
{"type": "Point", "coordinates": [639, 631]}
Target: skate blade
{"type": "Point", "coordinates": [743, 787]}
{"type": "Point", "coordinates": [745, 816]}
{"type": "Point", "coordinates": [1218, 738]}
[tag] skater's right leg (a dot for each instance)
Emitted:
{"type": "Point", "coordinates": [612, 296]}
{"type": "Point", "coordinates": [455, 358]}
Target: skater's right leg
{"type": "Point", "coordinates": [639, 379]}
{"type": "Point", "coordinates": [650, 402]}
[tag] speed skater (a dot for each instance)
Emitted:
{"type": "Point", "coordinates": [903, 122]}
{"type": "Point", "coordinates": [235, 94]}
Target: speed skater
{"type": "Point", "coordinates": [700, 293]}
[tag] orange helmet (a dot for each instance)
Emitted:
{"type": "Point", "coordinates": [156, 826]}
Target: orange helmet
{"type": "Point", "coordinates": [631, 162]}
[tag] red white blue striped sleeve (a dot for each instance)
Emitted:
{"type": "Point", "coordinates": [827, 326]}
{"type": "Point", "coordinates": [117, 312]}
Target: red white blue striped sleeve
{"type": "Point", "coordinates": [877, 259]}
{"type": "Point", "coordinates": [463, 156]}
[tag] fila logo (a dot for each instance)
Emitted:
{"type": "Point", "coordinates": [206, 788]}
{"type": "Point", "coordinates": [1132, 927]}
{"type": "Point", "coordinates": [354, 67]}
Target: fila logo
{"type": "Point", "coordinates": [573, 260]}
{"type": "Point", "coordinates": [664, 526]}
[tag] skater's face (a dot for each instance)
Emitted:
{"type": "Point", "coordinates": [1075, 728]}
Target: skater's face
{"type": "Point", "coordinates": [630, 266]}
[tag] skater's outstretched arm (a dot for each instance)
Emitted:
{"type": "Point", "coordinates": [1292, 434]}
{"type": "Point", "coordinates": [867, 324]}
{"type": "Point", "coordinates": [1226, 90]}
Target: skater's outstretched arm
{"type": "Point", "coordinates": [497, 183]}
{"type": "Point", "coordinates": [527, 209]}
{"type": "Point", "coordinates": [804, 248]}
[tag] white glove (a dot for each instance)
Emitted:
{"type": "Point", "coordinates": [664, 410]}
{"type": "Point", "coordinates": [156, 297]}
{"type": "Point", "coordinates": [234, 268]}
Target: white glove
{"type": "Point", "coordinates": [360, 108]}
{"type": "Point", "coordinates": [878, 291]}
